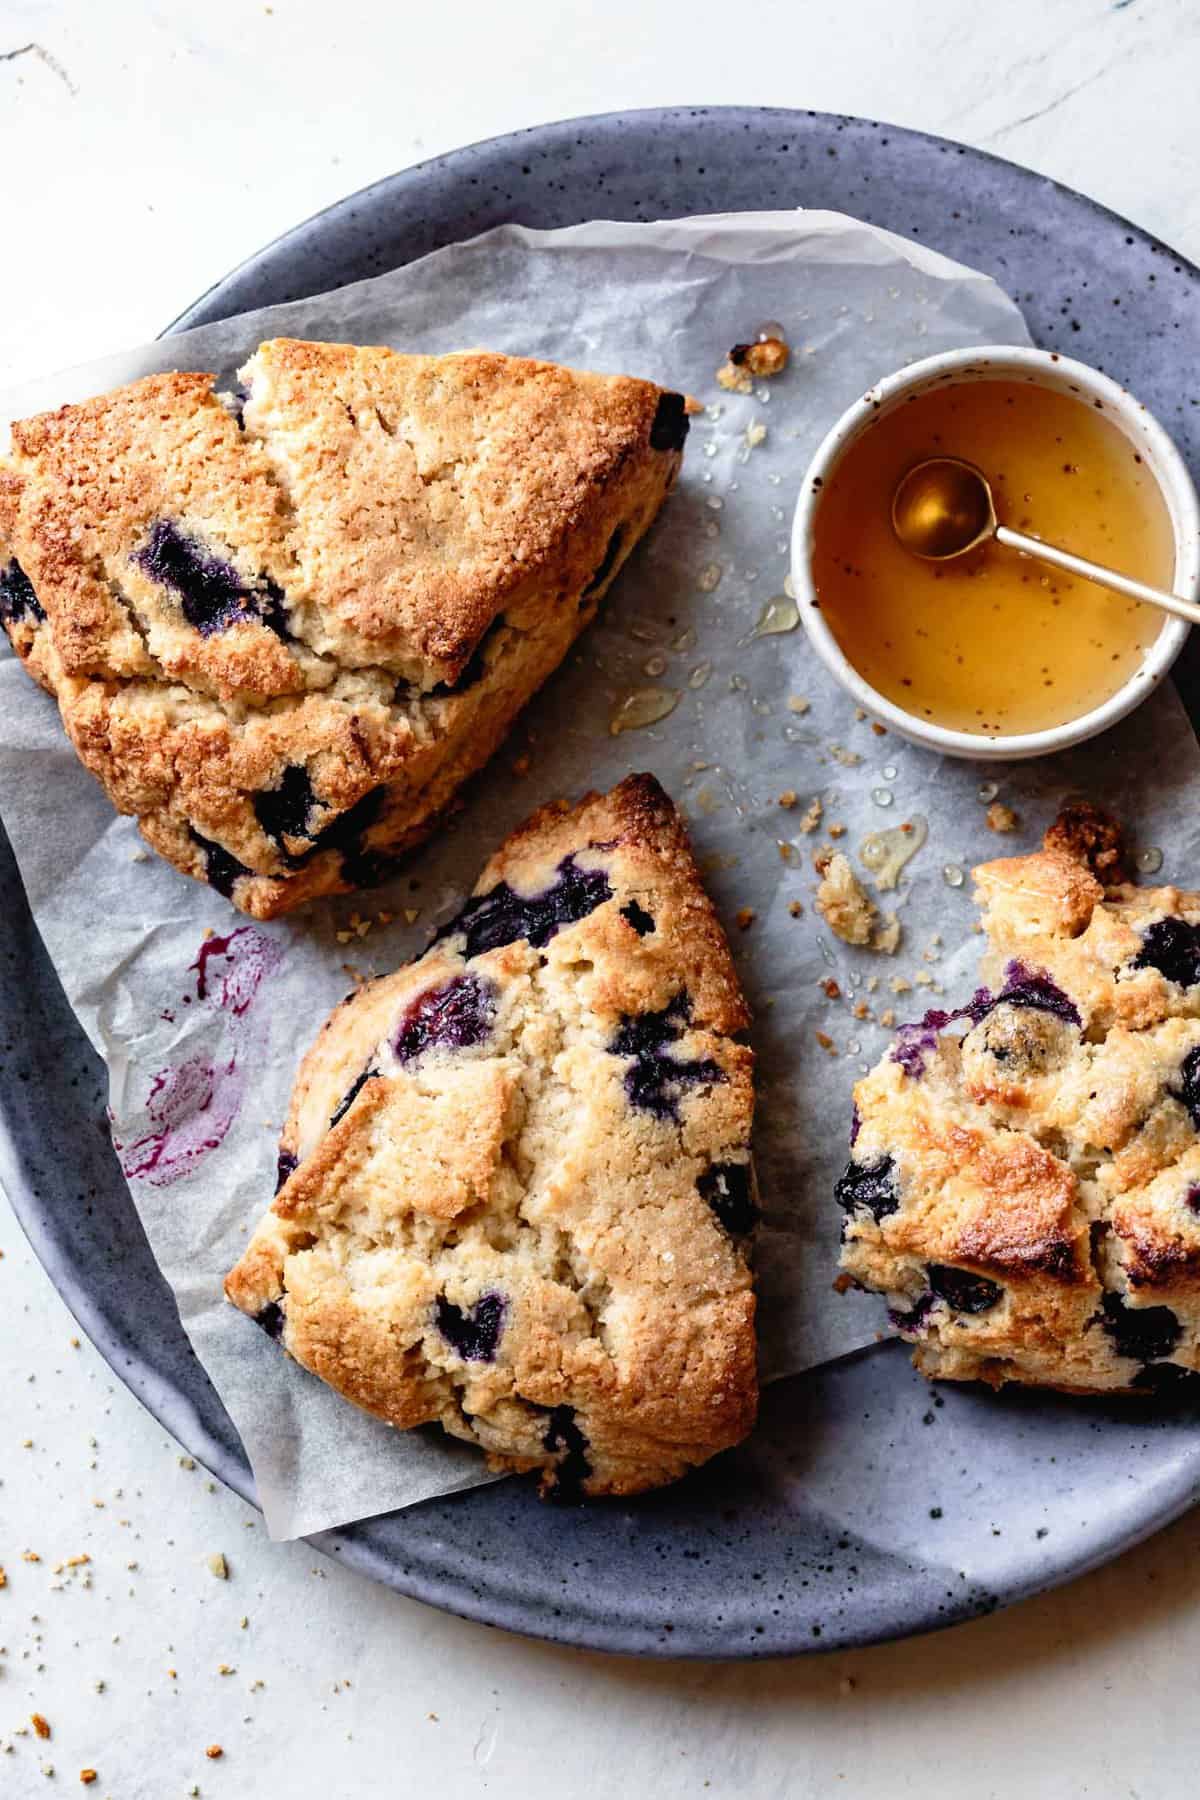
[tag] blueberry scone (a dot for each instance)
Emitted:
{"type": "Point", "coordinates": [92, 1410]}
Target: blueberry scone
{"type": "Point", "coordinates": [516, 1193]}
{"type": "Point", "coordinates": [1024, 1182]}
{"type": "Point", "coordinates": [284, 626]}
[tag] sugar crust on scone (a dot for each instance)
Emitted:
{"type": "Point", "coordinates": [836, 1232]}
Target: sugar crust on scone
{"type": "Point", "coordinates": [1024, 1183]}
{"type": "Point", "coordinates": [283, 630]}
{"type": "Point", "coordinates": [516, 1188]}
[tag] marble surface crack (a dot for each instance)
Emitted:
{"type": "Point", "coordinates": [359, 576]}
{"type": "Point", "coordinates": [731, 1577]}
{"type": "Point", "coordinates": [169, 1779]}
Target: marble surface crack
{"type": "Point", "coordinates": [43, 56]}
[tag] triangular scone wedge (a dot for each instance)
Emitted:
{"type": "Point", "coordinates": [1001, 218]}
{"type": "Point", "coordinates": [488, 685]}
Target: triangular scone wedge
{"type": "Point", "coordinates": [283, 627]}
{"type": "Point", "coordinates": [516, 1190]}
{"type": "Point", "coordinates": [1024, 1180]}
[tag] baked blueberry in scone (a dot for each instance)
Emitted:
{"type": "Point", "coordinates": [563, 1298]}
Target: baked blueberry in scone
{"type": "Point", "coordinates": [516, 1191]}
{"type": "Point", "coordinates": [283, 631]}
{"type": "Point", "coordinates": [1024, 1179]}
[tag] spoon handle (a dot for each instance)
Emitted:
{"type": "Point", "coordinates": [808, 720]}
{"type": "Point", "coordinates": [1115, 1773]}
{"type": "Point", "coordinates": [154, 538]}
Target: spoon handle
{"type": "Point", "coordinates": [1078, 565]}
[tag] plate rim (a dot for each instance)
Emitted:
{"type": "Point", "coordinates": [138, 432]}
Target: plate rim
{"type": "Point", "coordinates": [168, 1402]}
{"type": "Point", "coordinates": [185, 320]}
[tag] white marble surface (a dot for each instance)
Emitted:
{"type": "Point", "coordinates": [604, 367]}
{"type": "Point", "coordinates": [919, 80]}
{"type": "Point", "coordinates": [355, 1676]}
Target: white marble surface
{"type": "Point", "coordinates": [146, 148]}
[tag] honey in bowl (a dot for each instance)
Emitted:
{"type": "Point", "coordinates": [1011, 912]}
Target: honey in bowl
{"type": "Point", "coordinates": [992, 642]}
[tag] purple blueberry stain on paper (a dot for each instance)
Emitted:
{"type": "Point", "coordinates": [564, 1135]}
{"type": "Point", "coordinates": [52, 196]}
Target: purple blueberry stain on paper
{"type": "Point", "coordinates": [192, 1105]}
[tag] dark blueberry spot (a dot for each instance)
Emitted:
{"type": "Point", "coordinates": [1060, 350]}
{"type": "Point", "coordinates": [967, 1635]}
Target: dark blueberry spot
{"type": "Point", "coordinates": [285, 1168]}
{"type": "Point", "coordinates": [502, 916]}
{"type": "Point", "coordinates": [1022, 987]}
{"type": "Point", "coordinates": [657, 1082]}
{"type": "Point", "coordinates": [1145, 1333]}
{"type": "Point", "coordinates": [272, 610]}
{"type": "Point", "coordinates": [1171, 946]}
{"type": "Point", "coordinates": [270, 1319]}
{"type": "Point", "coordinates": [363, 867]}
{"type": "Point", "coordinates": [473, 671]}
{"type": "Point", "coordinates": [239, 394]}
{"type": "Point", "coordinates": [564, 1436]}
{"type": "Point", "coordinates": [344, 831]}
{"type": "Point", "coordinates": [965, 1292]}
{"type": "Point", "coordinates": [912, 1318]}
{"type": "Point", "coordinates": [351, 1095]}
{"type": "Point", "coordinates": [670, 428]}
{"type": "Point", "coordinates": [915, 1043]}
{"type": "Point", "coordinates": [287, 810]}
{"type": "Point", "coordinates": [1034, 988]}
{"type": "Point", "coordinates": [221, 869]}
{"type": "Point", "coordinates": [17, 598]}
{"type": "Point", "coordinates": [738, 354]}
{"type": "Point", "coordinates": [1192, 1198]}
{"type": "Point", "coordinates": [474, 1333]}
{"type": "Point", "coordinates": [639, 918]}
{"type": "Point", "coordinates": [452, 1017]}
{"type": "Point", "coordinates": [212, 595]}
{"type": "Point", "coordinates": [284, 810]}
{"type": "Point", "coordinates": [1169, 1380]}
{"type": "Point", "coordinates": [855, 1127]}
{"type": "Point", "coordinates": [1189, 1084]}
{"type": "Point", "coordinates": [604, 567]}
{"type": "Point", "coordinates": [870, 1185]}
{"type": "Point", "coordinates": [726, 1187]}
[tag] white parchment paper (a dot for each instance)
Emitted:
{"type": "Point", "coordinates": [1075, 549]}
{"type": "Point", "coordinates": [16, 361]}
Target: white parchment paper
{"type": "Point", "coordinates": [202, 1036]}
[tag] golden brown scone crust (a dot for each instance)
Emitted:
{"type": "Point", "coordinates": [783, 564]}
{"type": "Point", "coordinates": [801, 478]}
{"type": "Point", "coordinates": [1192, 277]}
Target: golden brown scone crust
{"type": "Point", "coordinates": [531, 1227]}
{"type": "Point", "coordinates": [282, 633]}
{"type": "Point", "coordinates": [1024, 1183]}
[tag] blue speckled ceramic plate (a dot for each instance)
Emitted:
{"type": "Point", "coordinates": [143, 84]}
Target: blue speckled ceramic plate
{"type": "Point", "coordinates": [865, 1506]}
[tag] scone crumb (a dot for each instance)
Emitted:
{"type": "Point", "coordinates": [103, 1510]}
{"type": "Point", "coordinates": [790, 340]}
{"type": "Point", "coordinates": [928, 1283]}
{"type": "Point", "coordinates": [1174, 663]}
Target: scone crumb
{"type": "Point", "coordinates": [787, 852]}
{"type": "Point", "coordinates": [842, 901]}
{"type": "Point", "coordinates": [849, 759]}
{"type": "Point", "coordinates": [826, 1042]}
{"type": "Point", "coordinates": [788, 799]}
{"type": "Point", "coordinates": [899, 985]}
{"type": "Point", "coordinates": [3, 1577]}
{"type": "Point", "coordinates": [40, 1724]}
{"type": "Point", "coordinates": [1001, 817]}
{"type": "Point", "coordinates": [837, 831]}
{"type": "Point", "coordinates": [886, 937]}
{"type": "Point", "coordinates": [830, 988]}
{"type": "Point", "coordinates": [733, 379]}
{"type": "Point", "coordinates": [843, 1283]}
{"type": "Point", "coordinates": [216, 1562]}
{"type": "Point", "coordinates": [1088, 835]}
{"type": "Point", "coordinates": [863, 1011]}
{"type": "Point", "coordinates": [923, 978]}
{"type": "Point", "coordinates": [87, 1776]}
{"type": "Point", "coordinates": [769, 356]}
{"type": "Point", "coordinates": [213, 1751]}
{"type": "Point", "coordinates": [756, 434]}
{"type": "Point", "coordinates": [796, 909]}
{"type": "Point", "coordinates": [812, 817]}
{"type": "Point", "coordinates": [745, 917]}
{"type": "Point", "coordinates": [878, 729]}
{"type": "Point", "coordinates": [887, 1018]}
{"type": "Point", "coordinates": [798, 704]}
{"type": "Point", "coordinates": [872, 983]}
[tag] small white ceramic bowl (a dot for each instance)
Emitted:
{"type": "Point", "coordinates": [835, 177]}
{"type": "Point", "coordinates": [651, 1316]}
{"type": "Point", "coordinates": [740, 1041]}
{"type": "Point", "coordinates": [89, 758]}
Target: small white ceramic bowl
{"type": "Point", "coordinates": [1047, 369]}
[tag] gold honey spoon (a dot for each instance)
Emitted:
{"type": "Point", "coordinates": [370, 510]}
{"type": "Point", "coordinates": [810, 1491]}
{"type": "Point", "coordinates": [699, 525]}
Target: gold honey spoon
{"type": "Point", "coordinates": [944, 507]}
